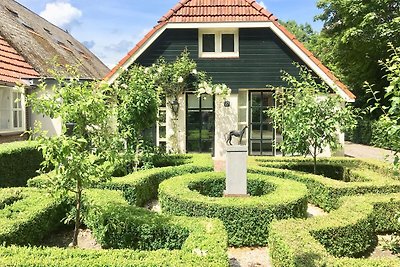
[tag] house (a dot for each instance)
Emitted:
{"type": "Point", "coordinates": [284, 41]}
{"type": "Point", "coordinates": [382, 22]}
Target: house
{"type": "Point", "coordinates": [239, 43]}
{"type": "Point", "coordinates": [28, 44]}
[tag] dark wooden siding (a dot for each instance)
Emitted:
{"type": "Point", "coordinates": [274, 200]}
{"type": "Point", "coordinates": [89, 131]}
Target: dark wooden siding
{"type": "Point", "coordinates": [262, 57]}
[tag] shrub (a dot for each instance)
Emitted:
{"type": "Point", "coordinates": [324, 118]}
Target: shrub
{"type": "Point", "coordinates": [19, 161]}
{"type": "Point", "coordinates": [325, 192]}
{"type": "Point", "coordinates": [246, 220]}
{"type": "Point", "coordinates": [31, 214]}
{"type": "Point", "coordinates": [195, 241]}
{"type": "Point", "coordinates": [348, 231]}
{"type": "Point", "coordinates": [142, 186]}
{"type": "Point", "coordinates": [116, 224]}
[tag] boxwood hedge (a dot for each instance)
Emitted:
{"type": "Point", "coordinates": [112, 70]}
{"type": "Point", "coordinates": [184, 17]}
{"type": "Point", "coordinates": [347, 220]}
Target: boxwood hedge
{"type": "Point", "coordinates": [331, 240]}
{"type": "Point", "coordinates": [19, 161]}
{"type": "Point", "coordinates": [246, 219]}
{"type": "Point", "coordinates": [362, 177]}
{"type": "Point", "coordinates": [27, 214]}
{"type": "Point", "coordinates": [170, 240]}
{"type": "Point", "coordinates": [142, 186]}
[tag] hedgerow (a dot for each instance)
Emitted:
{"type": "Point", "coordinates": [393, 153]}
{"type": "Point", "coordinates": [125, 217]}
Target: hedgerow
{"type": "Point", "coordinates": [29, 214]}
{"type": "Point", "coordinates": [363, 177]}
{"type": "Point", "coordinates": [116, 224]}
{"type": "Point", "coordinates": [346, 232]}
{"type": "Point", "coordinates": [199, 241]}
{"type": "Point", "coordinates": [19, 162]}
{"type": "Point", "coordinates": [246, 219]}
{"type": "Point", "coordinates": [142, 186]}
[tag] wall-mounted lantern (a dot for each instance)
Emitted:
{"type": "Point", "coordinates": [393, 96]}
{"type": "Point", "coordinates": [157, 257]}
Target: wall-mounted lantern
{"type": "Point", "coordinates": [175, 106]}
{"type": "Point", "coordinates": [70, 128]}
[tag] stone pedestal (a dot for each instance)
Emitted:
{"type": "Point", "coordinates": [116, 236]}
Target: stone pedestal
{"type": "Point", "coordinates": [236, 171]}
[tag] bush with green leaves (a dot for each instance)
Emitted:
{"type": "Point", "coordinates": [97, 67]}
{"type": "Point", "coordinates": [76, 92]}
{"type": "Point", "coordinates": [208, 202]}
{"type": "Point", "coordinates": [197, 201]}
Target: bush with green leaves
{"type": "Point", "coordinates": [159, 240]}
{"type": "Point", "coordinates": [116, 224]}
{"type": "Point", "coordinates": [246, 219]}
{"type": "Point", "coordinates": [142, 186]}
{"type": "Point", "coordinates": [352, 177]}
{"type": "Point", "coordinates": [27, 214]}
{"type": "Point", "coordinates": [309, 116]}
{"type": "Point", "coordinates": [331, 240]}
{"type": "Point", "coordinates": [19, 162]}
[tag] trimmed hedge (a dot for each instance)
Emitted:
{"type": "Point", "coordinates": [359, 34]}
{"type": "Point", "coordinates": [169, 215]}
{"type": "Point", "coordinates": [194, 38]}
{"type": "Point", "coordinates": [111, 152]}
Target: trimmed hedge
{"type": "Point", "coordinates": [346, 232]}
{"type": "Point", "coordinates": [19, 162]}
{"type": "Point", "coordinates": [29, 215]}
{"type": "Point", "coordinates": [142, 186]}
{"type": "Point", "coordinates": [199, 241]}
{"type": "Point", "coordinates": [371, 177]}
{"type": "Point", "coordinates": [116, 224]}
{"type": "Point", "coordinates": [246, 219]}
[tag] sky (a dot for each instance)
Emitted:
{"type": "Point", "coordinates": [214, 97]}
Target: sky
{"type": "Point", "coordinates": [110, 28]}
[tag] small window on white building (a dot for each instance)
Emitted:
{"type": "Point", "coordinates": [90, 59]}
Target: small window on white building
{"type": "Point", "coordinates": [221, 43]}
{"type": "Point", "coordinates": [12, 110]}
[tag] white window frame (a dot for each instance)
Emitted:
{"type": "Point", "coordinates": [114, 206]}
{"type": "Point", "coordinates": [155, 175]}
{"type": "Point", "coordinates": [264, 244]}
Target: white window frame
{"type": "Point", "coordinates": [12, 109]}
{"type": "Point", "coordinates": [218, 43]}
{"type": "Point", "coordinates": [160, 124]}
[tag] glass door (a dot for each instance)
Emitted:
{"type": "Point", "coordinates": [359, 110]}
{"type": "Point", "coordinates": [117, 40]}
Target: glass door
{"type": "Point", "coordinates": [199, 123]}
{"type": "Point", "coordinates": [261, 130]}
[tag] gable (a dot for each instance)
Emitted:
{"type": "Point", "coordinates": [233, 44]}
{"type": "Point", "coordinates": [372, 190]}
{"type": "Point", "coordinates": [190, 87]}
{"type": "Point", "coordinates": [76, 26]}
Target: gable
{"type": "Point", "coordinates": [192, 14]}
{"type": "Point", "coordinates": [262, 57]}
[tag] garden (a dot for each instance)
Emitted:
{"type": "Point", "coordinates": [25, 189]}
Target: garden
{"type": "Point", "coordinates": [196, 224]}
{"type": "Point", "coordinates": [100, 175]}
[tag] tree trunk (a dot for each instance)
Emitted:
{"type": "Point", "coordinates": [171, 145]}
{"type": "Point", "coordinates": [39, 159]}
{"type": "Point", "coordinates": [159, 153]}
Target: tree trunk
{"type": "Point", "coordinates": [78, 200]}
{"type": "Point", "coordinates": [315, 160]}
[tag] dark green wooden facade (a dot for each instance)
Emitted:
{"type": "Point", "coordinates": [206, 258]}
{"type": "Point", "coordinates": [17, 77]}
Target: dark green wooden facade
{"type": "Point", "coordinates": [262, 57]}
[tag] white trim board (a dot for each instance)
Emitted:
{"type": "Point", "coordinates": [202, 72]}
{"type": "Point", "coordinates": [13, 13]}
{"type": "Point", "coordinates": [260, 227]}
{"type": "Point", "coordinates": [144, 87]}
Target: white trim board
{"type": "Point", "coordinates": [300, 53]}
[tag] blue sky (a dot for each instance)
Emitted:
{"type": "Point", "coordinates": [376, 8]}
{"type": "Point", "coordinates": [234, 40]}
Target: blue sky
{"type": "Point", "coordinates": [110, 28]}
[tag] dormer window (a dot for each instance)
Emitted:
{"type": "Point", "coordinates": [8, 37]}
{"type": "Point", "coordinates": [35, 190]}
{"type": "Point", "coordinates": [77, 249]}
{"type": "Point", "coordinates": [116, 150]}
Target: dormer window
{"type": "Point", "coordinates": [219, 43]}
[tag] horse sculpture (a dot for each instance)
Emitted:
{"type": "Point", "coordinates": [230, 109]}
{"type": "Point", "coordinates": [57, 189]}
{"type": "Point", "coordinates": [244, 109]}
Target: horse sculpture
{"type": "Point", "coordinates": [236, 134]}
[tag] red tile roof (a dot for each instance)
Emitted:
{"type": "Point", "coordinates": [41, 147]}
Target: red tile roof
{"type": "Point", "coordinates": [195, 11]}
{"type": "Point", "coordinates": [217, 11]}
{"type": "Point", "coordinates": [13, 66]}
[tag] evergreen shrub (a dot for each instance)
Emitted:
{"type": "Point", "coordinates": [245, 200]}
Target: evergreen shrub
{"type": "Point", "coordinates": [335, 239]}
{"type": "Point", "coordinates": [19, 162]}
{"type": "Point", "coordinates": [246, 219]}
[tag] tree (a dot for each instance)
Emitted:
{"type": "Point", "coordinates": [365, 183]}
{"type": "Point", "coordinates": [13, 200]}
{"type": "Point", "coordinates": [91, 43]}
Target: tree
{"type": "Point", "coordinates": [309, 116]}
{"type": "Point", "coordinates": [354, 39]}
{"type": "Point", "coordinates": [303, 32]}
{"type": "Point", "coordinates": [389, 123]}
{"type": "Point", "coordinates": [87, 150]}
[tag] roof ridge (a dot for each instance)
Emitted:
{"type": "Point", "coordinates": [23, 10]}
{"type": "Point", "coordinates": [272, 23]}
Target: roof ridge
{"type": "Point", "coordinates": [183, 3]}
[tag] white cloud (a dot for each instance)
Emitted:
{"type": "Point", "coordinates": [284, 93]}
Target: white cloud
{"type": "Point", "coordinates": [62, 14]}
{"type": "Point", "coordinates": [262, 4]}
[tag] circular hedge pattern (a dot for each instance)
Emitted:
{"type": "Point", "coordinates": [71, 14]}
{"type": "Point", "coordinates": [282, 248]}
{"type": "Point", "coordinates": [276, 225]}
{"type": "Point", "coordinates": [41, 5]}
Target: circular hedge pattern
{"type": "Point", "coordinates": [245, 219]}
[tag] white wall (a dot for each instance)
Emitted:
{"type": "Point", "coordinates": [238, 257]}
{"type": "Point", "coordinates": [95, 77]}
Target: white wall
{"type": "Point", "coordinates": [181, 122]}
{"type": "Point", "coordinates": [226, 120]}
{"type": "Point", "coordinates": [52, 126]}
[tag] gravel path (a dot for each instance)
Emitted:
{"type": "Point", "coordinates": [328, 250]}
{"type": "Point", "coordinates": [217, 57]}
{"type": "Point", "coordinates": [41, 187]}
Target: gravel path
{"type": "Point", "coordinates": [247, 256]}
{"type": "Point", "coordinates": [370, 152]}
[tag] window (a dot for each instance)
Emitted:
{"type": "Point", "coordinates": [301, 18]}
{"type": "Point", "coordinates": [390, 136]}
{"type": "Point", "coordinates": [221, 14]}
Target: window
{"type": "Point", "coordinates": [162, 125]}
{"type": "Point", "coordinates": [12, 111]}
{"type": "Point", "coordinates": [200, 123]}
{"type": "Point", "coordinates": [219, 43]}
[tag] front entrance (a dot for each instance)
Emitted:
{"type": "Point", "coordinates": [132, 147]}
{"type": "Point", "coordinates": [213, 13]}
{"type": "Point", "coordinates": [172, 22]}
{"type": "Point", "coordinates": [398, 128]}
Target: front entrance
{"type": "Point", "coordinates": [200, 123]}
{"type": "Point", "coordinates": [262, 134]}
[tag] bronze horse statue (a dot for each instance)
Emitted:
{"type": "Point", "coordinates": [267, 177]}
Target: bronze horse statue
{"type": "Point", "coordinates": [236, 134]}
